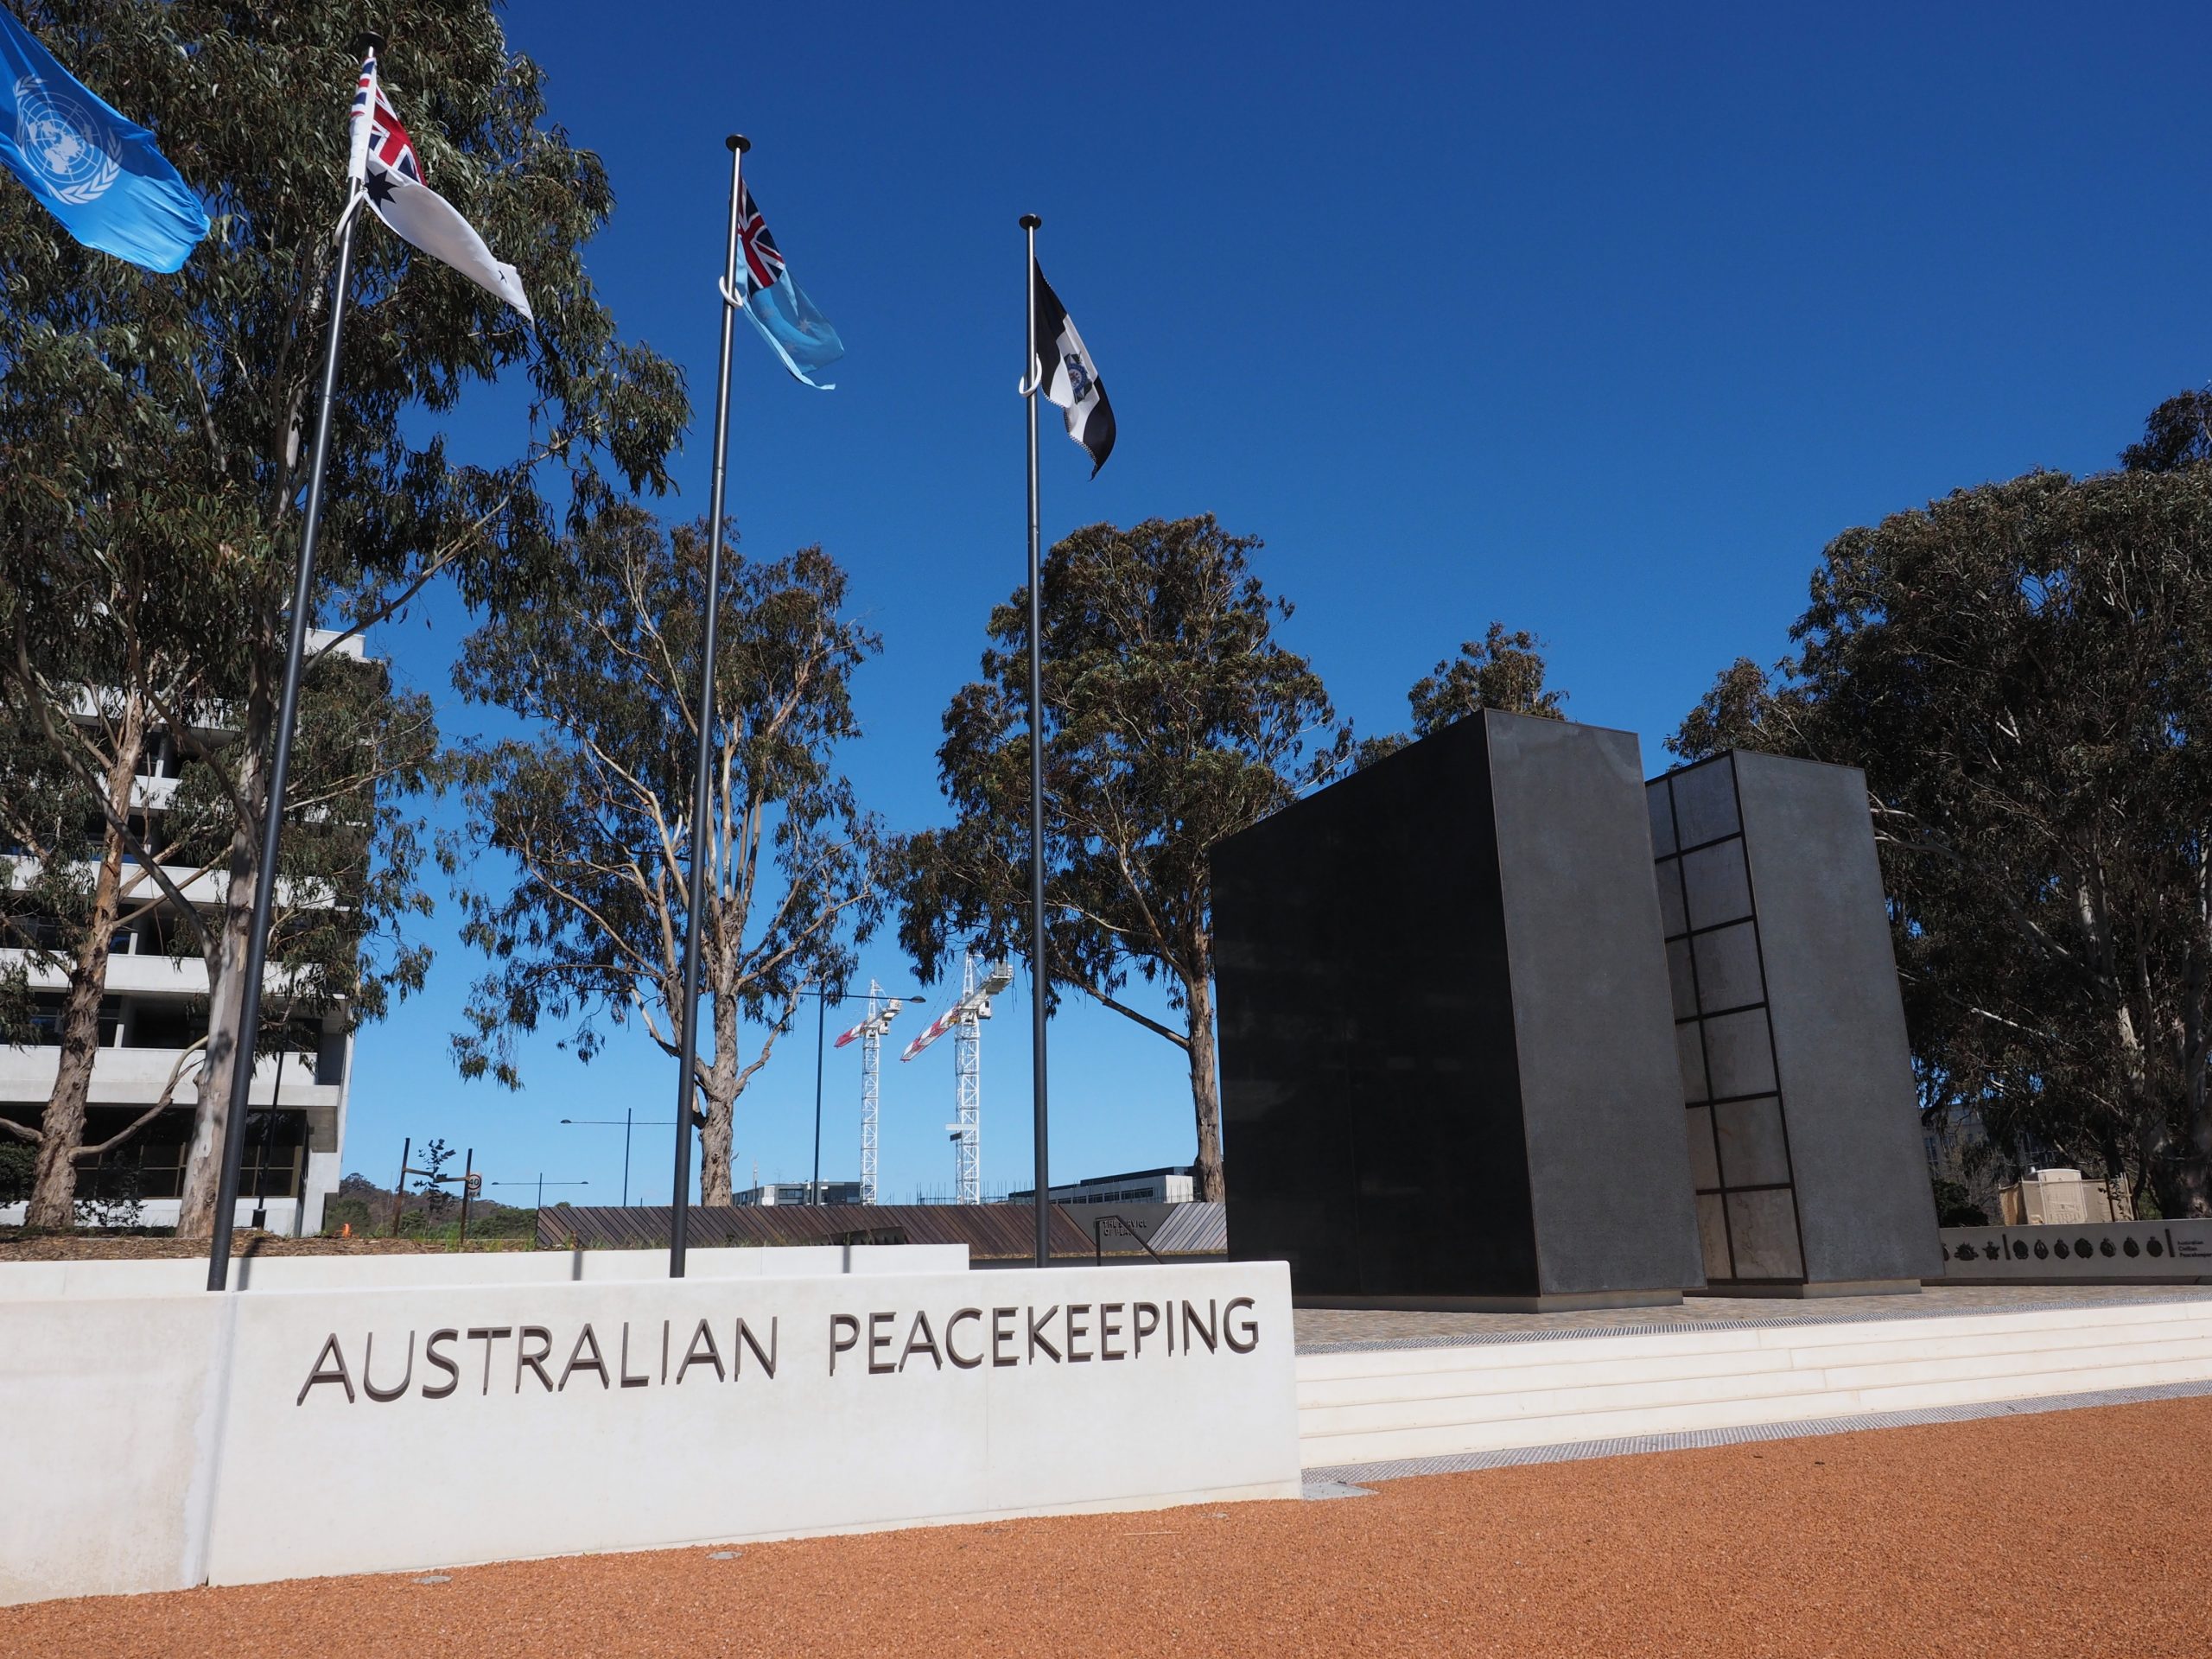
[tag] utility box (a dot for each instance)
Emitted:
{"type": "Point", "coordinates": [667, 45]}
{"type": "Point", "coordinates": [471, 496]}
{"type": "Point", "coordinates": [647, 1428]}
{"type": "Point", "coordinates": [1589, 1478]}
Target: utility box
{"type": "Point", "coordinates": [1447, 1052]}
{"type": "Point", "coordinates": [1802, 1115]}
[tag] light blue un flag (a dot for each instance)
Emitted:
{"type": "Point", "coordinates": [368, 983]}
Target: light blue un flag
{"type": "Point", "coordinates": [795, 331]}
{"type": "Point", "coordinates": [96, 173]}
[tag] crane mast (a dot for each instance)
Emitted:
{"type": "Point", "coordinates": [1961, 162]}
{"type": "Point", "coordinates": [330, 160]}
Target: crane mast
{"type": "Point", "coordinates": [881, 1011]}
{"type": "Point", "coordinates": [964, 1019]}
{"type": "Point", "coordinates": [968, 1085]}
{"type": "Point", "coordinates": [871, 1064]}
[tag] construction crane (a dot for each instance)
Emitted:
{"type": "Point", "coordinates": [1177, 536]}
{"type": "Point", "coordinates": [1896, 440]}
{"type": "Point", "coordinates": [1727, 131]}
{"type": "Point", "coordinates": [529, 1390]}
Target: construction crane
{"type": "Point", "coordinates": [966, 1018]}
{"type": "Point", "coordinates": [881, 1011]}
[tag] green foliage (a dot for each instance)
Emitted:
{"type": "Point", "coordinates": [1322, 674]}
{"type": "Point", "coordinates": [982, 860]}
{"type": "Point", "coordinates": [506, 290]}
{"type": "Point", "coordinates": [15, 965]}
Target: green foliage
{"type": "Point", "coordinates": [177, 407]}
{"type": "Point", "coordinates": [155, 429]}
{"type": "Point", "coordinates": [18, 1164]}
{"type": "Point", "coordinates": [364, 754]}
{"type": "Point", "coordinates": [46, 890]}
{"type": "Point", "coordinates": [2022, 670]}
{"type": "Point", "coordinates": [2178, 434]}
{"type": "Point", "coordinates": [1501, 671]}
{"type": "Point", "coordinates": [501, 1222]}
{"type": "Point", "coordinates": [1954, 1207]}
{"type": "Point", "coordinates": [1742, 711]}
{"type": "Point", "coordinates": [429, 1185]}
{"type": "Point", "coordinates": [1173, 719]}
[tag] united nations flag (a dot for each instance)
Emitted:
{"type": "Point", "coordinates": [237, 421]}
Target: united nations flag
{"type": "Point", "coordinates": [96, 173]}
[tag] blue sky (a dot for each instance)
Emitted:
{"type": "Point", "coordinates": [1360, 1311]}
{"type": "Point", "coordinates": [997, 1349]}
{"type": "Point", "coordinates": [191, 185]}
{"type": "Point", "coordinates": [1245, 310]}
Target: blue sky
{"type": "Point", "coordinates": [1599, 322]}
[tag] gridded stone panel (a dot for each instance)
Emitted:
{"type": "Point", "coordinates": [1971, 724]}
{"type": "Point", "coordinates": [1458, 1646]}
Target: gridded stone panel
{"type": "Point", "coordinates": [1797, 1087]}
{"type": "Point", "coordinates": [1740, 1144]}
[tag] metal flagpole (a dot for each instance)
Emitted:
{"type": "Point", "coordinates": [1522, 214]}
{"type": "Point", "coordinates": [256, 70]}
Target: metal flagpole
{"type": "Point", "coordinates": [702, 779]}
{"type": "Point", "coordinates": [1037, 979]}
{"type": "Point", "coordinates": [265, 889]}
{"type": "Point", "coordinates": [821, 1015]}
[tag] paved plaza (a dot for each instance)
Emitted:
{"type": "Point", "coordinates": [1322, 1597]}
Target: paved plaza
{"type": "Point", "coordinates": [1329, 1330]}
{"type": "Point", "coordinates": [1923, 1541]}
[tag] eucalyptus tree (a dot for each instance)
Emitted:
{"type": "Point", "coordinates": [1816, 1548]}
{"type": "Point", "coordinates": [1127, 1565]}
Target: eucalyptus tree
{"type": "Point", "coordinates": [1502, 670]}
{"type": "Point", "coordinates": [114, 670]}
{"type": "Point", "coordinates": [100, 661]}
{"type": "Point", "coordinates": [188, 397]}
{"type": "Point", "coordinates": [2024, 670]}
{"type": "Point", "coordinates": [1174, 718]}
{"type": "Point", "coordinates": [591, 813]}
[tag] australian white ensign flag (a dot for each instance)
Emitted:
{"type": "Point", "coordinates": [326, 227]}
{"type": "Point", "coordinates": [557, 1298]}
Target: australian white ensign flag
{"type": "Point", "coordinates": [1061, 366]}
{"type": "Point", "coordinates": [382, 166]}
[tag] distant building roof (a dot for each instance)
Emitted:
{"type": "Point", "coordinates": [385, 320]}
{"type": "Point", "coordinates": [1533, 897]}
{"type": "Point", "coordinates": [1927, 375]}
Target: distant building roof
{"type": "Point", "coordinates": [1028, 1194]}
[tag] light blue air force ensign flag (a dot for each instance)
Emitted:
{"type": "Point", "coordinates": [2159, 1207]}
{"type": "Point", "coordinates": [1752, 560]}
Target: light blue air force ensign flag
{"type": "Point", "coordinates": [800, 335]}
{"type": "Point", "coordinates": [96, 173]}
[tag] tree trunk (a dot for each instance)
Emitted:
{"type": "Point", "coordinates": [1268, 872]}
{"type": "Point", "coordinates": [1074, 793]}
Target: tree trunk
{"type": "Point", "coordinates": [2183, 1189]}
{"type": "Point", "coordinates": [1211, 1185]}
{"type": "Point", "coordinates": [2188, 1189]}
{"type": "Point", "coordinates": [225, 993]}
{"type": "Point", "coordinates": [2196, 1107]}
{"type": "Point", "coordinates": [53, 1188]}
{"type": "Point", "coordinates": [717, 1143]}
{"type": "Point", "coordinates": [2198, 1188]}
{"type": "Point", "coordinates": [227, 984]}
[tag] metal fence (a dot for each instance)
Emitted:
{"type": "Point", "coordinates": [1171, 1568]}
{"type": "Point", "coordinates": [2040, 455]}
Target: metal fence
{"type": "Point", "coordinates": [992, 1232]}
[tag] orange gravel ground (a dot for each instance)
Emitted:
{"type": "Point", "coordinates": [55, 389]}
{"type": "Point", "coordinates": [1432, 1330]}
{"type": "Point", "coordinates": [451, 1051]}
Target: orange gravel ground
{"type": "Point", "coordinates": [2073, 1533]}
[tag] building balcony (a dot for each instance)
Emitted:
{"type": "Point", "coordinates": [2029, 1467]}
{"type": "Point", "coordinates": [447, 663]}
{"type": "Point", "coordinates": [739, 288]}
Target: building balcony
{"type": "Point", "coordinates": [202, 889]}
{"type": "Point", "coordinates": [135, 1077]}
{"type": "Point", "coordinates": [132, 976]}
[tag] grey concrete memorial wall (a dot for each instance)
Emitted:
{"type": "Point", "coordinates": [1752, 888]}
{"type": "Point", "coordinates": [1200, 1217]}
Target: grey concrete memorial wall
{"type": "Point", "coordinates": [2080, 1253]}
{"type": "Point", "coordinates": [1804, 1140]}
{"type": "Point", "coordinates": [1447, 1046]}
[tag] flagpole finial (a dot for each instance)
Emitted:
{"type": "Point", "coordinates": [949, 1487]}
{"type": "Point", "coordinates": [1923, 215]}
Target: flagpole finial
{"type": "Point", "coordinates": [1030, 221]}
{"type": "Point", "coordinates": [738, 142]}
{"type": "Point", "coordinates": [367, 42]}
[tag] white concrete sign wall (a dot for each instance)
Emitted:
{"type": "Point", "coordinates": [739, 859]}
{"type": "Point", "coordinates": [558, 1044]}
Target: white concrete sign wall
{"type": "Point", "coordinates": [112, 1410]}
{"type": "Point", "coordinates": [34, 1281]}
{"type": "Point", "coordinates": [483, 1422]}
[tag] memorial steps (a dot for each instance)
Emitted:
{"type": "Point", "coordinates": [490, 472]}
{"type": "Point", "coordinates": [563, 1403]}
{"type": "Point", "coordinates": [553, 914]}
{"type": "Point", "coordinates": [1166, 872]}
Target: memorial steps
{"type": "Point", "coordinates": [1378, 1404]}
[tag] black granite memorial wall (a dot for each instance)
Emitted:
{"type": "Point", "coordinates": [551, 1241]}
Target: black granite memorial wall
{"type": "Point", "coordinates": [1804, 1137]}
{"type": "Point", "coordinates": [1447, 1044]}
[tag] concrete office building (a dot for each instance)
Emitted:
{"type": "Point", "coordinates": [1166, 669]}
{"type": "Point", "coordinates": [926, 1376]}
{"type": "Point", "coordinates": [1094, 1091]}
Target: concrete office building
{"type": "Point", "coordinates": [156, 1008]}
{"type": "Point", "coordinates": [1172, 1185]}
{"type": "Point", "coordinates": [772, 1192]}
